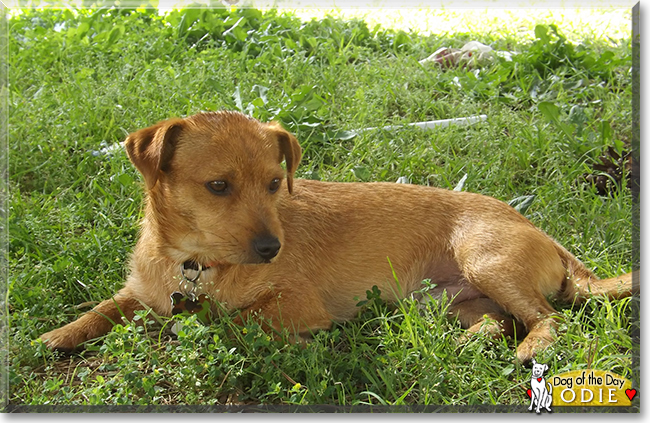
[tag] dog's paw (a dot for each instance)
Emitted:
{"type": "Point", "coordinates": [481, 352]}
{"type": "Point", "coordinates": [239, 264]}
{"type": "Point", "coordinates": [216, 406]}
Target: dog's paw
{"type": "Point", "coordinates": [537, 340]}
{"type": "Point", "coordinates": [65, 339]}
{"type": "Point", "coordinates": [464, 338]}
{"type": "Point", "coordinates": [529, 348]}
{"type": "Point", "coordinates": [526, 354]}
{"type": "Point", "coordinates": [484, 329]}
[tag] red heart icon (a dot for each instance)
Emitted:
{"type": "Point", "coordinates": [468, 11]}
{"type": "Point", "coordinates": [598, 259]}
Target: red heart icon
{"type": "Point", "coordinates": [539, 379]}
{"type": "Point", "coordinates": [530, 393]}
{"type": "Point", "coordinates": [630, 393]}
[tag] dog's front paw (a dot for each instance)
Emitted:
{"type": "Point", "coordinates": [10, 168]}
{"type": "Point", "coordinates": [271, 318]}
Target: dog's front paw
{"type": "Point", "coordinates": [65, 339]}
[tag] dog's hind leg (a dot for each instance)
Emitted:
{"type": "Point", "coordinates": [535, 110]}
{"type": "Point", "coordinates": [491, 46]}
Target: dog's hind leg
{"type": "Point", "coordinates": [529, 306]}
{"type": "Point", "coordinates": [517, 275]}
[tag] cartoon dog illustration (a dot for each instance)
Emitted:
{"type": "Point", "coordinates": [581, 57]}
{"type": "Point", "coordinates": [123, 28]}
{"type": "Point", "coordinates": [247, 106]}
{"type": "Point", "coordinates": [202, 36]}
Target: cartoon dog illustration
{"type": "Point", "coordinates": [539, 396]}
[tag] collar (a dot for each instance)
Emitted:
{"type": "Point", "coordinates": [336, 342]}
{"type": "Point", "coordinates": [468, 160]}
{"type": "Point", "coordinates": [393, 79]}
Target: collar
{"type": "Point", "coordinates": [190, 274]}
{"type": "Point", "coordinates": [196, 266]}
{"type": "Point", "coordinates": [191, 270]}
{"type": "Point", "coordinates": [193, 265]}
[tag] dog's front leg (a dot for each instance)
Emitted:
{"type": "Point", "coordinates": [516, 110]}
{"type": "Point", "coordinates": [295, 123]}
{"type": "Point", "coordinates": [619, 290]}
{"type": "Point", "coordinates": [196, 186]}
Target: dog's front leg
{"type": "Point", "coordinates": [95, 323]}
{"type": "Point", "coordinates": [532, 400]}
{"type": "Point", "coordinates": [300, 313]}
{"type": "Point", "coordinates": [540, 400]}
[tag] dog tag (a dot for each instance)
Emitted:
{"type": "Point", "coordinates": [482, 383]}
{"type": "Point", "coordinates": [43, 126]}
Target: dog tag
{"type": "Point", "coordinates": [182, 304]}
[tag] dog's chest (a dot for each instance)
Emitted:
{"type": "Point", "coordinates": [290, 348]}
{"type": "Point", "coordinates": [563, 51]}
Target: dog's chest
{"type": "Point", "coordinates": [537, 383]}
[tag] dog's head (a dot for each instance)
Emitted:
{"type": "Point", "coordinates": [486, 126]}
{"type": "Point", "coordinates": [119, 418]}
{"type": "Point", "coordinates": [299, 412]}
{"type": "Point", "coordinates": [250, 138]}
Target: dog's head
{"type": "Point", "coordinates": [538, 369]}
{"type": "Point", "coordinates": [213, 184]}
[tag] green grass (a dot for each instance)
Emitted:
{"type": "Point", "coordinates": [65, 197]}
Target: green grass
{"type": "Point", "coordinates": [80, 81]}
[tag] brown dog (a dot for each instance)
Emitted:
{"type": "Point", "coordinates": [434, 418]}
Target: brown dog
{"type": "Point", "coordinates": [302, 253]}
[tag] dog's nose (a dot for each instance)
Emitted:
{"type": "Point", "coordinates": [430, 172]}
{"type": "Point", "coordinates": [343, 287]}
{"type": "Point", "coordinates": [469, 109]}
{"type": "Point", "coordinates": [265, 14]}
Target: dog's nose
{"type": "Point", "coordinates": [266, 246]}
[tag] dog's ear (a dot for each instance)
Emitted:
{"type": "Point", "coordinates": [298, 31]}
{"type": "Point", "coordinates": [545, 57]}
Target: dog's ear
{"type": "Point", "coordinates": [534, 362]}
{"type": "Point", "coordinates": [289, 150]}
{"type": "Point", "coordinates": [151, 149]}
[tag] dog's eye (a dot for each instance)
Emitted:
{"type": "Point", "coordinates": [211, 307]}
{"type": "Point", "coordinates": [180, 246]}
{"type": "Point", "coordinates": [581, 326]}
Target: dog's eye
{"type": "Point", "coordinates": [275, 185]}
{"type": "Point", "coordinates": [218, 187]}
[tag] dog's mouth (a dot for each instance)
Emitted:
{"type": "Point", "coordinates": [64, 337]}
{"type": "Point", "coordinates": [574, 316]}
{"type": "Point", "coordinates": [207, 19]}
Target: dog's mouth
{"type": "Point", "coordinates": [256, 260]}
{"type": "Point", "coordinates": [262, 249]}
{"type": "Point", "coordinates": [246, 259]}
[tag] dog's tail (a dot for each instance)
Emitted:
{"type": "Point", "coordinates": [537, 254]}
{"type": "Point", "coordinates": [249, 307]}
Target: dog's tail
{"type": "Point", "coordinates": [581, 283]}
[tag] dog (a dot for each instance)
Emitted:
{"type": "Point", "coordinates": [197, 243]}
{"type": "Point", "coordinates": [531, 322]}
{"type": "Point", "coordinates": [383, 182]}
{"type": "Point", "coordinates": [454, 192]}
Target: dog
{"type": "Point", "coordinates": [300, 253]}
{"type": "Point", "coordinates": [540, 397]}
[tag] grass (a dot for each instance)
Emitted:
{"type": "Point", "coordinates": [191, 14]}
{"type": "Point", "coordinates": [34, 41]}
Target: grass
{"type": "Point", "coordinates": [579, 25]}
{"type": "Point", "coordinates": [81, 80]}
